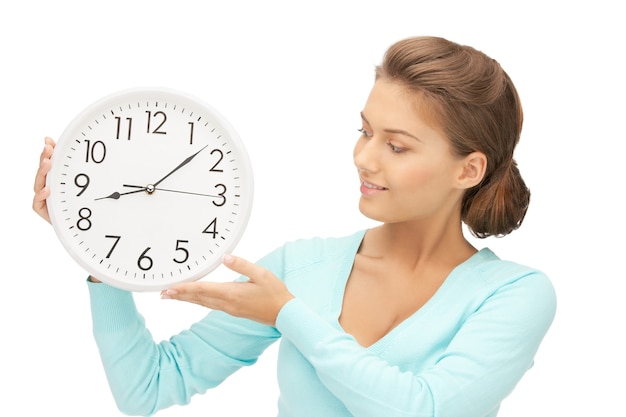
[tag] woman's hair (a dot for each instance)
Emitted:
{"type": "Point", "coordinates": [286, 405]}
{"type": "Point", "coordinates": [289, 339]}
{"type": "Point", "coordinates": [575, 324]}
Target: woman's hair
{"type": "Point", "coordinates": [476, 104]}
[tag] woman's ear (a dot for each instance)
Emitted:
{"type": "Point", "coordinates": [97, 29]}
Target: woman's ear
{"type": "Point", "coordinates": [473, 170]}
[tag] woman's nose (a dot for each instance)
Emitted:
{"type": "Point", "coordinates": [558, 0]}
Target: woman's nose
{"type": "Point", "coordinates": [366, 155]}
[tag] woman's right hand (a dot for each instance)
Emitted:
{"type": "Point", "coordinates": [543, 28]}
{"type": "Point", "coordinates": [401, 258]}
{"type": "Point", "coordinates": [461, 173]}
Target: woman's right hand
{"type": "Point", "coordinates": [41, 191]}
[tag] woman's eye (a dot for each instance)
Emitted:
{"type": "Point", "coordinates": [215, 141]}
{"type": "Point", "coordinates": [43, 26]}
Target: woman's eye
{"type": "Point", "coordinates": [395, 149]}
{"type": "Point", "coordinates": [365, 133]}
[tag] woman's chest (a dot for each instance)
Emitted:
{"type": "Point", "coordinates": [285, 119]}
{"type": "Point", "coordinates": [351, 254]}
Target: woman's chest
{"type": "Point", "coordinates": [377, 300]}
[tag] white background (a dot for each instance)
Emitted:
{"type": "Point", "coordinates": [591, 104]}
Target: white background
{"type": "Point", "coordinates": [292, 78]}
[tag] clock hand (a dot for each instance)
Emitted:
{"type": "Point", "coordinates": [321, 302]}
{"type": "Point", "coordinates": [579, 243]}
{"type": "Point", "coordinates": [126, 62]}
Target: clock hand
{"type": "Point", "coordinates": [115, 195]}
{"type": "Point", "coordinates": [151, 187]}
{"type": "Point", "coordinates": [185, 162]}
{"type": "Point", "coordinates": [170, 191]}
{"type": "Point", "coordinates": [187, 192]}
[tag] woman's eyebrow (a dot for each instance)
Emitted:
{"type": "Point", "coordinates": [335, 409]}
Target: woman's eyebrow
{"type": "Point", "coordinates": [397, 131]}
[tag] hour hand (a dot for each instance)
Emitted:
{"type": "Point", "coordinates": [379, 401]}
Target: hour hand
{"type": "Point", "coordinates": [115, 195]}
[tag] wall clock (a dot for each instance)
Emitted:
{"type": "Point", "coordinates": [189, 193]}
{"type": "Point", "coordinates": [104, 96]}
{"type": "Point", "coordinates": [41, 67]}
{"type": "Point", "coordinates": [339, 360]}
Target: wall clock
{"type": "Point", "coordinates": [149, 187]}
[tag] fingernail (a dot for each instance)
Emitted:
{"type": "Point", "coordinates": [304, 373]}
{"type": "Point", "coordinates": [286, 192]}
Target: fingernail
{"type": "Point", "coordinates": [228, 259]}
{"type": "Point", "coordinates": [171, 292]}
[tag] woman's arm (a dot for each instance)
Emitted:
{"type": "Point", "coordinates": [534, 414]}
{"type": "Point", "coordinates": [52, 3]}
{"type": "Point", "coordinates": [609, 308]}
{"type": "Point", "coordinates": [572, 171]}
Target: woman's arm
{"type": "Point", "coordinates": [145, 376]}
{"type": "Point", "coordinates": [484, 361]}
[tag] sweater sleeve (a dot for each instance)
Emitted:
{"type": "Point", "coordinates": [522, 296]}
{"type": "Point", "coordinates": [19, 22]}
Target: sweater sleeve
{"type": "Point", "coordinates": [484, 361]}
{"type": "Point", "coordinates": [145, 376]}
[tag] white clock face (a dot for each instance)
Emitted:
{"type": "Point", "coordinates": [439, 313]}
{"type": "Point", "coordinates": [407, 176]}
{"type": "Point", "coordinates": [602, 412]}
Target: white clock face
{"type": "Point", "coordinates": [149, 187]}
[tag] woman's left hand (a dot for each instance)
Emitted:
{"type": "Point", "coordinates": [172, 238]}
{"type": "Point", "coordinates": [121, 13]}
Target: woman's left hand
{"type": "Point", "coordinates": [259, 299]}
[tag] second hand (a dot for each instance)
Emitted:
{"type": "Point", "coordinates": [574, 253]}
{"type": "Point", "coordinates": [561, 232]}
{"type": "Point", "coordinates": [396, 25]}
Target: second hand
{"type": "Point", "coordinates": [170, 191]}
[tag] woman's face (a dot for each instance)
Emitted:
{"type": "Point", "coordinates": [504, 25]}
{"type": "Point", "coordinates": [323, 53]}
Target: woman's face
{"type": "Point", "coordinates": [405, 163]}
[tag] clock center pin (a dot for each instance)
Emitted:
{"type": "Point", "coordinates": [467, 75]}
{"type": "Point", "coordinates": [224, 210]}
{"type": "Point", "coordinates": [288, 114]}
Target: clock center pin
{"type": "Point", "coordinates": [150, 188]}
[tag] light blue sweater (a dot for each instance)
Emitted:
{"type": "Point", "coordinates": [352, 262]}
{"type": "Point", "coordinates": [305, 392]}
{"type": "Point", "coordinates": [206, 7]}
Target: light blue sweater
{"type": "Point", "coordinates": [460, 354]}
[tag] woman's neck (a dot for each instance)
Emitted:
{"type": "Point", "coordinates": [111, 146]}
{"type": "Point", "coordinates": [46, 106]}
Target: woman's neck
{"type": "Point", "coordinates": [417, 245]}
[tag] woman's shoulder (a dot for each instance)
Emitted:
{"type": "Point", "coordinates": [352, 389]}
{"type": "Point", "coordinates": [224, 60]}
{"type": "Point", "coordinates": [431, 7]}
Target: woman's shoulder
{"type": "Point", "coordinates": [327, 244]}
{"type": "Point", "coordinates": [499, 276]}
{"type": "Point", "coordinates": [304, 252]}
{"type": "Point", "coordinates": [492, 268]}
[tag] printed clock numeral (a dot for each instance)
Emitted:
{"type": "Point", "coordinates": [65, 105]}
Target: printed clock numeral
{"type": "Point", "coordinates": [95, 152]}
{"type": "Point", "coordinates": [184, 251]}
{"type": "Point", "coordinates": [83, 222]}
{"type": "Point", "coordinates": [212, 228]}
{"type": "Point", "coordinates": [81, 181]}
{"type": "Point", "coordinates": [144, 262]}
{"type": "Point", "coordinates": [214, 168]}
{"type": "Point", "coordinates": [117, 239]}
{"type": "Point", "coordinates": [221, 195]}
{"type": "Point", "coordinates": [157, 116]}
{"type": "Point", "coordinates": [119, 127]}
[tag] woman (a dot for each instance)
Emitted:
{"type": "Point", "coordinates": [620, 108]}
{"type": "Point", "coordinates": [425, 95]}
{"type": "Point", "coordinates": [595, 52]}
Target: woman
{"type": "Point", "coordinates": [403, 319]}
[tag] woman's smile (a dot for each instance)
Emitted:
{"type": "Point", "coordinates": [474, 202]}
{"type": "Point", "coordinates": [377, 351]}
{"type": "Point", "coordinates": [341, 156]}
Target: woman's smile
{"type": "Point", "coordinates": [368, 188]}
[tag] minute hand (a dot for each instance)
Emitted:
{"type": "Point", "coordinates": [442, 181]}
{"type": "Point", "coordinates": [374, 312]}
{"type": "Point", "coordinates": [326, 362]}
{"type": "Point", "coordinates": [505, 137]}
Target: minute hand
{"type": "Point", "coordinates": [185, 162]}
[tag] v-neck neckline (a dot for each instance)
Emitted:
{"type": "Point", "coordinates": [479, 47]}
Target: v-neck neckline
{"type": "Point", "coordinates": [344, 274]}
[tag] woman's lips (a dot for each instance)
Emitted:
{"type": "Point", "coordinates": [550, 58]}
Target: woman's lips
{"type": "Point", "coordinates": [368, 188]}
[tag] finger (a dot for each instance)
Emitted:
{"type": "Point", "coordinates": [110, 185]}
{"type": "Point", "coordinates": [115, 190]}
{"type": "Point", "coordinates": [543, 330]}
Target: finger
{"type": "Point", "coordinates": [42, 172]}
{"type": "Point", "coordinates": [39, 203]}
{"type": "Point", "coordinates": [44, 167]}
{"type": "Point", "coordinates": [243, 267]}
{"type": "Point", "coordinates": [48, 147]}
{"type": "Point", "coordinates": [208, 294]}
